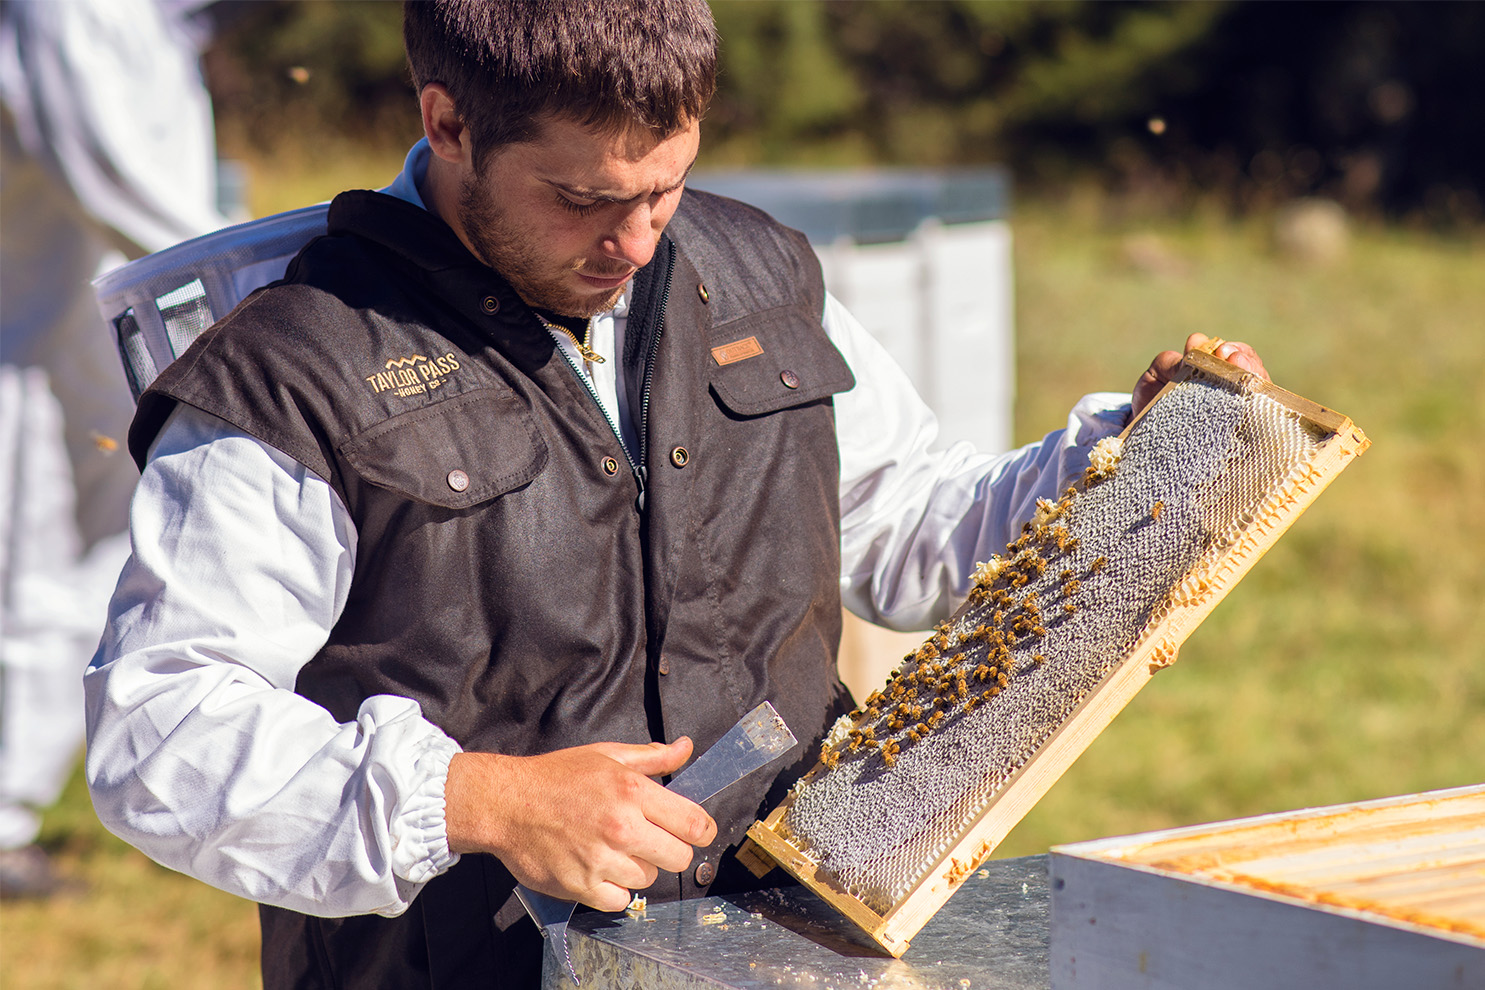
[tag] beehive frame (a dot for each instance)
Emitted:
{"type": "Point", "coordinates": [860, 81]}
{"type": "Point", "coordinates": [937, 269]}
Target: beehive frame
{"type": "Point", "coordinates": [1173, 620]}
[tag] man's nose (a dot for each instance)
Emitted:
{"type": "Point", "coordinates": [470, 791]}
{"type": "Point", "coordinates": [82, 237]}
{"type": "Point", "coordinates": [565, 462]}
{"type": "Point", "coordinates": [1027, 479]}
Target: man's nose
{"type": "Point", "coordinates": [633, 238]}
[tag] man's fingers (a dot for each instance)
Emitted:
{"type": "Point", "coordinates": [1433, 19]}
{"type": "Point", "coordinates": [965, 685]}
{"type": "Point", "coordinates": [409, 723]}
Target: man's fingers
{"type": "Point", "coordinates": [608, 897]}
{"type": "Point", "coordinates": [1243, 356]}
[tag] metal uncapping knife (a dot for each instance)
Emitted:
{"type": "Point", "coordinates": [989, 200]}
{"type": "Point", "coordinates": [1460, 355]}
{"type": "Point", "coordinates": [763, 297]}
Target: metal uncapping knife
{"type": "Point", "coordinates": [758, 739]}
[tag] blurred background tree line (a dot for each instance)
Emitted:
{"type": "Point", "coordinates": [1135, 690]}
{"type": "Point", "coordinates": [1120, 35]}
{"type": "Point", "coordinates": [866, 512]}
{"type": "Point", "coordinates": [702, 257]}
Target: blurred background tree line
{"type": "Point", "coordinates": [1374, 104]}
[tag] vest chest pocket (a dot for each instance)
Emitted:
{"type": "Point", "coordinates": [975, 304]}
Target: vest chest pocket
{"type": "Point", "coordinates": [455, 453]}
{"type": "Point", "coordinates": [775, 360]}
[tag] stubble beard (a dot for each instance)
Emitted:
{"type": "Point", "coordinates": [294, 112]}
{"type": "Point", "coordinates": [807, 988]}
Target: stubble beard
{"type": "Point", "coordinates": [499, 243]}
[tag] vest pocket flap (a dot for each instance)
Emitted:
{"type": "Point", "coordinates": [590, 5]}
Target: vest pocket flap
{"type": "Point", "coordinates": [773, 361]}
{"type": "Point", "coordinates": [455, 453]}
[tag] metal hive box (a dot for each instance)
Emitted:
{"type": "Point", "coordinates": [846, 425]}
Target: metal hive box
{"type": "Point", "coordinates": [1378, 894]}
{"type": "Point", "coordinates": [917, 787]}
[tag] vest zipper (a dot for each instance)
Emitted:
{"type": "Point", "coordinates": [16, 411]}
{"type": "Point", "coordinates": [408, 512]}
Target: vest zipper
{"type": "Point", "coordinates": [641, 473]}
{"type": "Point", "coordinates": [593, 394]}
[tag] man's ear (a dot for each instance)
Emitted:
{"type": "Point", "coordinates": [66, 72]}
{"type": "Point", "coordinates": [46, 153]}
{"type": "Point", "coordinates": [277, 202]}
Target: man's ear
{"type": "Point", "coordinates": [447, 136]}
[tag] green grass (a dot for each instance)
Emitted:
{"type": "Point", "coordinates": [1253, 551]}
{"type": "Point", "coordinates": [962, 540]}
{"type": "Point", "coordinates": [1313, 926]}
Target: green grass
{"type": "Point", "coordinates": [1346, 666]}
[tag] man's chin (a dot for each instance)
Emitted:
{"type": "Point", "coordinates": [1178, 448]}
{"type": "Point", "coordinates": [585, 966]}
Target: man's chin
{"type": "Point", "coordinates": [581, 305]}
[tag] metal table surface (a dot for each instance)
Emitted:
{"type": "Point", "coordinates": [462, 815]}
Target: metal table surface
{"type": "Point", "coordinates": [992, 935]}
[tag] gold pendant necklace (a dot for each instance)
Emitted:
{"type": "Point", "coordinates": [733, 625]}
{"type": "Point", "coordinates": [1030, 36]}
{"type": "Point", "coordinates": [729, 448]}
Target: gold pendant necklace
{"type": "Point", "coordinates": [588, 353]}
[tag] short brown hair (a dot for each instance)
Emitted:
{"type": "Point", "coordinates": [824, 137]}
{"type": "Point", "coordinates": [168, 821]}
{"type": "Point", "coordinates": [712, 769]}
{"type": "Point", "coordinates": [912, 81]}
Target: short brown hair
{"type": "Point", "coordinates": [603, 63]}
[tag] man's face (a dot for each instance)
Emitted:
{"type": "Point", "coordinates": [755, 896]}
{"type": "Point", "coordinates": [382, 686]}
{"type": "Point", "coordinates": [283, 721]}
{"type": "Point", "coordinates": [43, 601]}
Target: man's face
{"type": "Point", "coordinates": [568, 217]}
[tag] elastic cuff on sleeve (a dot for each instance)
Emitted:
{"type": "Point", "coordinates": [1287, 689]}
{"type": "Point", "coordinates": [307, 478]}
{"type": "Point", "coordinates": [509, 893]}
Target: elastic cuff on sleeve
{"type": "Point", "coordinates": [421, 850]}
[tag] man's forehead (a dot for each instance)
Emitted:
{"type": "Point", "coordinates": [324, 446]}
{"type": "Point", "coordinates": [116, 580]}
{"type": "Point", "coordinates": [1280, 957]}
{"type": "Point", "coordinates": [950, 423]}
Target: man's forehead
{"type": "Point", "coordinates": [579, 157]}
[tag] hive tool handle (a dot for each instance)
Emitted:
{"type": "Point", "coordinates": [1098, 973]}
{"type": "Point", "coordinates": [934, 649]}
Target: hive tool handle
{"type": "Point", "coordinates": [759, 738]}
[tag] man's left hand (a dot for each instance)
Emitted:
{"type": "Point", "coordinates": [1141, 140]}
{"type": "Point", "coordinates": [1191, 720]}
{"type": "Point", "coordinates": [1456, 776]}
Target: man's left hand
{"type": "Point", "coordinates": [1165, 362]}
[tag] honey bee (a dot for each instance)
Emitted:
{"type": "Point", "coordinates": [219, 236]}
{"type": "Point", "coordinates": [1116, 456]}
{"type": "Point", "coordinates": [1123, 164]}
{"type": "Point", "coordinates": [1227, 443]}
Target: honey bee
{"type": "Point", "coordinates": [868, 733]}
{"type": "Point", "coordinates": [1069, 608]}
{"type": "Point", "coordinates": [1072, 587]}
{"type": "Point", "coordinates": [1030, 600]}
{"type": "Point", "coordinates": [1066, 575]}
{"type": "Point", "coordinates": [894, 724]}
{"type": "Point", "coordinates": [922, 728]}
{"type": "Point", "coordinates": [854, 744]}
{"type": "Point", "coordinates": [1038, 659]}
{"type": "Point", "coordinates": [1069, 492]}
{"type": "Point", "coordinates": [935, 720]}
{"type": "Point", "coordinates": [1038, 630]}
{"type": "Point", "coordinates": [913, 735]}
{"type": "Point", "coordinates": [890, 759]}
{"type": "Point", "coordinates": [1099, 563]}
{"type": "Point", "coordinates": [1002, 679]}
{"type": "Point", "coordinates": [982, 672]}
{"type": "Point", "coordinates": [990, 693]}
{"type": "Point", "coordinates": [972, 703]}
{"type": "Point", "coordinates": [1157, 509]}
{"type": "Point", "coordinates": [830, 759]}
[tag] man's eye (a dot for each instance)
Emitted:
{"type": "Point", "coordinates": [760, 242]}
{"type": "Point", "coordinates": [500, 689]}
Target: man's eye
{"type": "Point", "coordinates": [579, 209]}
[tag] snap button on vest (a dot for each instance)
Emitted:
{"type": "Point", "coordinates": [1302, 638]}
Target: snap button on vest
{"type": "Point", "coordinates": [705, 873]}
{"type": "Point", "coordinates": [789, 378]}
{"type": "Point", "coordinates": [490, 305]}
{"type": "Point", "coordinates": [610, 466]}
{"type": "Point", "coordinates": [458, 480]}
{"type": "Point", "coordinates": [680, 457]}
{"type": "Point", "coordinates": [706, 297]}
{"type": "Point", "coordinates": [664, 665]}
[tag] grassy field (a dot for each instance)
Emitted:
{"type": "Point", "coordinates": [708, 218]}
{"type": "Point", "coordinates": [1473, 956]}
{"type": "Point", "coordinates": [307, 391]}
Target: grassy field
{"type": "Point", "coordinates": [1347, 666]}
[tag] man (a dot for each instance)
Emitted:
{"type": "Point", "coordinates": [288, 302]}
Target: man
{"type": "Point", "coordinates": [534, 471]}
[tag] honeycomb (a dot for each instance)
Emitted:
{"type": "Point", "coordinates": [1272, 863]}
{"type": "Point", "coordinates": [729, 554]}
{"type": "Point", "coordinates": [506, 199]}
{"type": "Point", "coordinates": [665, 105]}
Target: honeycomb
{"type": "Point", "coordinates": [900, 779]}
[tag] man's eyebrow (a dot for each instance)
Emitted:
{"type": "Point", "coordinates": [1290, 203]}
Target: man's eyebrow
{"type": "Point", "coordinates": [581, 192]}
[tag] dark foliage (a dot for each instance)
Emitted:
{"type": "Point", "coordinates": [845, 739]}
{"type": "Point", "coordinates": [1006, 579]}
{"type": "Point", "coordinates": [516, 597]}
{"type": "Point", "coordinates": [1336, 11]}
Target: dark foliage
{"type": "Point", "coordinates": [1376, 104]}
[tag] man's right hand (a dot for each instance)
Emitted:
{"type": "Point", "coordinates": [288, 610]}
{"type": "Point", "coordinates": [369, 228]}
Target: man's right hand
{"type": "Point", "coordinates": [585, 824]}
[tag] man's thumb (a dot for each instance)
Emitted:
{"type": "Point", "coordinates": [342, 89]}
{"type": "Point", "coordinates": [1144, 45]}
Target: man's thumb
{"type": "Point", "coordinates": [656, 758]}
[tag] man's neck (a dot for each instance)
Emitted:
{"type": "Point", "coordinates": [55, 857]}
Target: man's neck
{"type": "Point", "coordinates": [440, 191]}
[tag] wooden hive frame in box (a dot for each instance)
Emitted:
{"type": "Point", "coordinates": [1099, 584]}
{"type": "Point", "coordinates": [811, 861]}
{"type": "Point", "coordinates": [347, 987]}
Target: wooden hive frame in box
{"type": "Point", "coordinates": [1052, 643]}
{"type": "Point", "coordinates": [1375, 894]}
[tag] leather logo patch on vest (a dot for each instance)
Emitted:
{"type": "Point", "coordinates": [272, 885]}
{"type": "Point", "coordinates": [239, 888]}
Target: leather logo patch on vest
{"type": "Point", "coordinates": [413, 375]}
{"type": "Point", "coordinates": [738, 350]}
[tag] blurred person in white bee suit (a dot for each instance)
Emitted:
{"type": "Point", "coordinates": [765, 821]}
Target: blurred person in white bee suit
{"type": "Point", "coordinates": [108, 153]}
